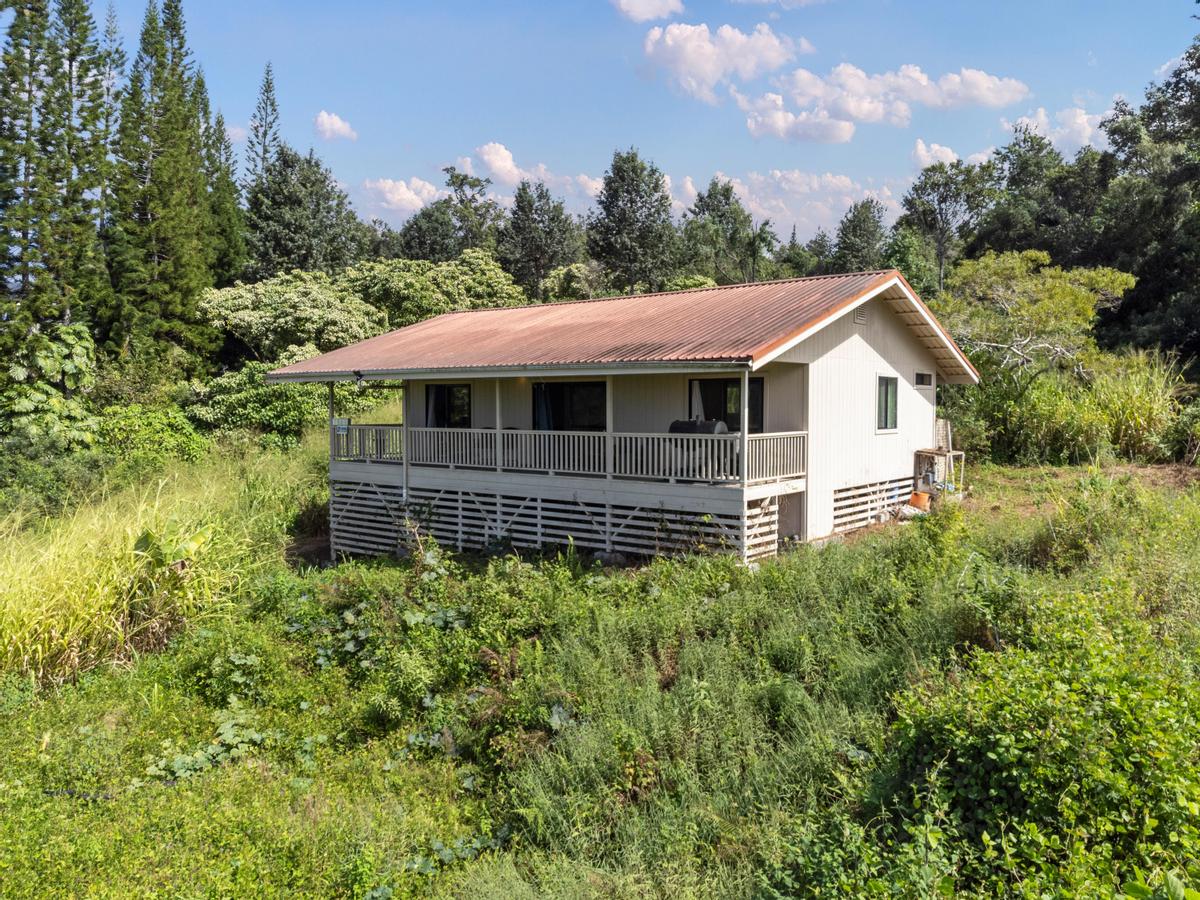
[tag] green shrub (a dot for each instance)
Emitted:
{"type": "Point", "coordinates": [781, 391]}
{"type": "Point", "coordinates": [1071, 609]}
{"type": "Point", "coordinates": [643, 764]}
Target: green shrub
{"type": "Point", "coordinates": [1185, 435]}
{"type": "Point", "coordinates": [243, 401]}
{"type": "Point", "coordinates": [156, 432]}
{"type": "Point", "coordinates": [1082, 743]}
{"type": "Point", "coordinates": [410, 290]}
{"type": "Point", "coordinates": [1087, 521]}
{"type": "Point", "coordinates": [229, 662]}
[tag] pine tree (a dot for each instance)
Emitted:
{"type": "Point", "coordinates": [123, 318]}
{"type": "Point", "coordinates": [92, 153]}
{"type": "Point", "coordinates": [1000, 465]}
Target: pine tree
{"type": "Point", "coordinates": [820, 245]}
{"type": "Point", "coordinates": [631, 234]}
{"type": "Point", "coordinates": [112, 74]}
{"type": "Point", "coordinates": [860, 237]}
{"type": "Point", "coordinates": [228, 221]}
{"type": "Point", "coordinates": [298, 218]}
{"type": "Point", "coordinates": [263, 141]}
{"type": "Point", "coordinates": [538, 235]}
{"type": "Point", "coordinates": [72, 119]}
{"type": "Point", "coordinates": [21, 91]}
{"type": "Point", "coordinates": [160, 244]}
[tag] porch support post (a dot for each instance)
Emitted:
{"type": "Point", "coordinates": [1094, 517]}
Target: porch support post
{"type": "Point", "coordinates": [608, 459]}
{"type": "Point", "coordinates": [745, 420]}
{"type": "Point", "coordinates": [332, 437]}
{"type": "Point", "coordinates": [405, 449]}
{"type": "Point", "coordinates": [499, 426]}
{"type": "Point", "coordinates": [745, 460]}
{"type": "Point", "coordinates": [332, 455]}
{"type": "Point", "coordinates": [608, 426]}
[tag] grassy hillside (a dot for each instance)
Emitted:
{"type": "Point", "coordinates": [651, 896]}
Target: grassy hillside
{"type": "Point", "coordinates": [1000, 699]}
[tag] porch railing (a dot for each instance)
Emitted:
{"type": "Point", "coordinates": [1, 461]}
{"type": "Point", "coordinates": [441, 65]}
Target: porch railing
{"type": "Point", "coordinates": [777, 455]}
{"type": "Point", "coordinates": [658, 457]}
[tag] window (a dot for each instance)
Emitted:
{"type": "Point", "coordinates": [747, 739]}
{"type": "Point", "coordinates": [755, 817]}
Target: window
{"type": "Point", "coordinates": [720, 398]}
{"type": "Point", "coordinates": [569, 406]}
{"type": "Point", "coordinates": [885, 416]}
{"type": "Point", "coordinates": [924, 379]}
{"type": "Point", "coordinates": [448, 406]}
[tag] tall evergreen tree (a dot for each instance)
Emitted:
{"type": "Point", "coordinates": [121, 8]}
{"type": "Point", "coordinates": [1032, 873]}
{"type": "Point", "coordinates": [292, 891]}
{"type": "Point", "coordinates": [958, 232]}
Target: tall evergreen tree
{"type": "Point", "coordinates": [298, 218]}
{"type": "Point", "coordinates": [22, 90]}
{"type": "Point", "coordinates": [431, 233]}
{"type": "Point", "coordinates": [263, 141]}
{"type": "Point", "coordinates": [228, 221]}
{"type": "Point", "coordinates": [538, 235]}
{"type": "Point", "coordinates": [717, 234]}
{"type": "Point", "coordinates": [112, 74]}
{"type": "Point", "coordinates": [631, 233]}
{"type": "Point", "coordinates": [860, 238]}
{"type": "Point", "coordinates": [162, 218]}
{"type": "Point", "coordinates": [793, 258]}
{"type": "Point", "coordinates": [74, 159]}
{"type": "Point", "coordinates": [820, 246]}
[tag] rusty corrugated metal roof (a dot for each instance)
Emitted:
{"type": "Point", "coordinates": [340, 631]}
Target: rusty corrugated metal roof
{"type": "Point", "coordinates": [737, 325]}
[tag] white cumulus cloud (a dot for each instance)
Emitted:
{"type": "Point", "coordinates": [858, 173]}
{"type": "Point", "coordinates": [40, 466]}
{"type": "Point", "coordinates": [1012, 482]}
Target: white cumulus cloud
{"type": "Point", "coordinates": [646, 10]}
{"type": "Point", "coordinates": [698, 59]}
{"type": "Point", "coordinates": [1069, 130]}
{"type": "Point", "coordinates": [398, 195]}
{"type": "Point", "coordinates": [767, 116]}
{"type": "Point", "coordinates": [850, 93]}
{"type": "Point", "coordinates": [235, 133]}
{"type": "Point", "coordinates": [927, 154]}
{"type": "Point", "coordinates": [331, 126]}
{"type": "Point", "coordinates": [499, 164]}
{"type": "Point", "coordinates": [811, 107]}
{"type": "Point", "coordinates": [589, 185]}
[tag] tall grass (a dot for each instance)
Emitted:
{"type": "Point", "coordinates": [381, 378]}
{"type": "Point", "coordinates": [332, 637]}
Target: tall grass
{"type": "Point", "coordinates": [1138, 397]}
{"type": "Point", "coordinates": [119, 575]}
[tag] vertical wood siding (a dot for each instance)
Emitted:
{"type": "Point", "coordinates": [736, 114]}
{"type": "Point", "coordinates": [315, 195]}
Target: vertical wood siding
{"type": "Point", "coordinates": [844, 362]}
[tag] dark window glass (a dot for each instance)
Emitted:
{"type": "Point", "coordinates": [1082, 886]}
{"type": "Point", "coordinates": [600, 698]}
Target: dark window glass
{"type": "Point", "coordinates": [720, 398]}
{"type": "Point", "coordinates": [885, 419]}
{"type": "Point", "coordinates": [569, 406]}
{"type": "Point", "coordinates": [448, 405]}
{"type": "Point", "coordinates": [924, 379]}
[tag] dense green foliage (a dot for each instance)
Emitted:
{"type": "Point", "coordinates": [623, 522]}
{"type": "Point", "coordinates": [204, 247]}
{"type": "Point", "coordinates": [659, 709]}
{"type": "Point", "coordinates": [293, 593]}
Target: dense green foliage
{"type": "Point", "coordinates": [973, 706]}
{"type": "Point", "coordinates": [291, 310]}
{"type": "Point", "coordinates": [631, 233]}
{"type": "Point", "coordinates": [1048, 393]}
{"type": "Point", "coordinates": [410, 290]}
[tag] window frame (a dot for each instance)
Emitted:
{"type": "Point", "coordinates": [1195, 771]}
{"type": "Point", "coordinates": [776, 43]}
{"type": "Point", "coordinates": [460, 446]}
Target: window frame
{"type": "Point", "coordinates": [736, 382]}
{"type": "Point", "coordinates": [928, 385]}
{"type": "Point", "coordinates": [449, 386]}
{"type": "Point", "coordinates": [546, 385]}
{"type": "Point", "coordinates": [885, 424]}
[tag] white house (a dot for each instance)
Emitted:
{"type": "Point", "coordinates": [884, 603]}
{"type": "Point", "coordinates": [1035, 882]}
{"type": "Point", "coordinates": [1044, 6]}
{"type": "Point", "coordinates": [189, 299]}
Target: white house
{"type": "Point", "coordinates": [730, 417]}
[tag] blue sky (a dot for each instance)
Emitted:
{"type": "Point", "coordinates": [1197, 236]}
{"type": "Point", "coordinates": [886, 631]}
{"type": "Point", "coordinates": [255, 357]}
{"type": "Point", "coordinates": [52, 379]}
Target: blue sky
{"type": "Point", "coordinates": [806, 105]}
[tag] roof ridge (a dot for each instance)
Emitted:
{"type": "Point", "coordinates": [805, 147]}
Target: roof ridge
{"type": "Point", "coordinates": [696, 290]}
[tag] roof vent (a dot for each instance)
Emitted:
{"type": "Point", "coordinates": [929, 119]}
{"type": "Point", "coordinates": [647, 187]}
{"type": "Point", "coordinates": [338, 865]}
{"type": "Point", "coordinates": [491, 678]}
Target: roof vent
{"type": "Point", "coordinates": [860, 316]}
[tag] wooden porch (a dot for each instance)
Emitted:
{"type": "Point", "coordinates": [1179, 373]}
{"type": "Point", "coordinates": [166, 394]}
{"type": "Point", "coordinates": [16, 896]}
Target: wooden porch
{"type": "Point", "coordinates": [716, 459]}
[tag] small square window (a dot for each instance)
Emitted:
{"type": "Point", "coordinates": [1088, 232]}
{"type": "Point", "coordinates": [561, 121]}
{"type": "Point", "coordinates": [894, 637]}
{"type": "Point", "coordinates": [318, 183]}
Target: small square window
{"type": "Point", "coordinates": [924, 379]}
{"type": "Point", "coordinates": [885, 408]}
{"type": "Point", "coordinates": [448, 405]}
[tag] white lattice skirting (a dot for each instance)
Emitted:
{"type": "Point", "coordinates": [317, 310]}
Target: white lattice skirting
{"type": "Point", "coordinates": [369, 518]}
{"type": "Point", "coordinates": [865, 504]}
